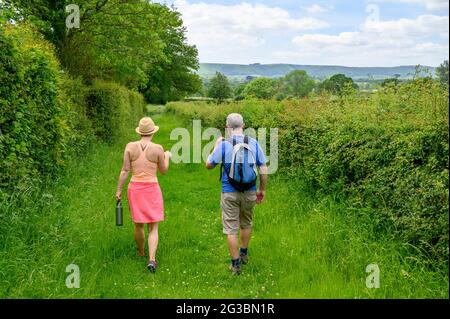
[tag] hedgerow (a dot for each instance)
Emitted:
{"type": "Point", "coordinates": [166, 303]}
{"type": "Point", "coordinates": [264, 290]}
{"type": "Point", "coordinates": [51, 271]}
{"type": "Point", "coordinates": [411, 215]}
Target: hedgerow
{"type": "Point", "coordinates": [32, 120]}
{"type": "Point", "coordinates": [113, 109]}
{"type": "Point", "coordinates": [47, 117]}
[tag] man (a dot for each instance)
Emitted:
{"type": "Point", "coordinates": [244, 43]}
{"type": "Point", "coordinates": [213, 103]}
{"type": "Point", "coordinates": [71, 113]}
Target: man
{"type": "Point", "coordinates": [237, 205]}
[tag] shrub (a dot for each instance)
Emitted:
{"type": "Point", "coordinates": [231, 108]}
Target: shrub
{"type": "Point", "coordinates": [47, 117]}
{"type": "Point", "coordinates": [80, 134]}
{"type": "Point", "coordinates": [33, 128]}
{"type": "Point", "coordinates": [137, 106]}
{"type": "Point", "coordinates": [113, 109]}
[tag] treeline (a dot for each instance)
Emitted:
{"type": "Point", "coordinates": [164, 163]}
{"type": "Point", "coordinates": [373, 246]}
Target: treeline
{"type": "Point", "coordinates": [386, 153]}
{"type": "Point", "coordinates": [62, 88]}
{"type": "Point", "coordinates": [138, 44]}
{"type": "Point", "coordinates": [297, 84]}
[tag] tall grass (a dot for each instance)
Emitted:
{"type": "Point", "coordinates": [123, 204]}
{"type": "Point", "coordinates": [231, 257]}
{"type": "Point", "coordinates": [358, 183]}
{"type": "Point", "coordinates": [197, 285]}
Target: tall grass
{"type": "Point", "coordinates": [303, 246]}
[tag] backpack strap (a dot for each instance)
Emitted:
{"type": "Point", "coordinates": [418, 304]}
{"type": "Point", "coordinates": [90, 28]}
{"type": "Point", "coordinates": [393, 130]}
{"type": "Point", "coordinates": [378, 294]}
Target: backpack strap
{"type": "Point", "coordinates": [223, 160]}
{"type": "Point", "coordinates": [247, 141]}
{"type": "Point", "coordinates": [233, 142]}
{"type": "Point", "coordinates": [223, 151]}
{"type": "Point", "coordinates": [240, 165]}
{"type": "Point", "coordinates": [257, 152]}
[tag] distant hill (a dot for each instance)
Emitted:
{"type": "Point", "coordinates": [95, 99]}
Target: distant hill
{"type": "Point", "coordinates": [241, 71]}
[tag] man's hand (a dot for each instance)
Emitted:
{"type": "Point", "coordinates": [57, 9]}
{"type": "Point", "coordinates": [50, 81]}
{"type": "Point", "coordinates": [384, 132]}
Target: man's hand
{"type": "Point", "coordinates": [262, 184]}
{"type": "Point", "coordinates": [260, 196]}
{"type": "Point", "coordinates": [168, 154]}
{"type": "Point", "coordinates": [119, 194]}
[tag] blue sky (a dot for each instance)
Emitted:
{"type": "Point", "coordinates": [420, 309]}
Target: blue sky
{"type": "Point", "coordinates": [334, 32]}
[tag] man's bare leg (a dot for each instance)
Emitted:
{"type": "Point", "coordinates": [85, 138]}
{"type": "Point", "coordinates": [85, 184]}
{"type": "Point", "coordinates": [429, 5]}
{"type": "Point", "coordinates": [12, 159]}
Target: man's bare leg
{"type": "Point", "coordinates": [233, 246]}
{"type": "Point", "coordinates": [246, 234]}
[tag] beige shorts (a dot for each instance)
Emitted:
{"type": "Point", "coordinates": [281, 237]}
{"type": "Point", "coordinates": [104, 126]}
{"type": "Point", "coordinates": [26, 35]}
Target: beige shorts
{"type": "Point", "coordinates": [237, 211]}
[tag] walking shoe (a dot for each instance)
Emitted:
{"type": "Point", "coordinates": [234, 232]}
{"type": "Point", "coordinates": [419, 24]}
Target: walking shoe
{"type": "Point", "coordinates": [152, 265]}
{"type": "Point", "coordinates": [244, 258]}
{"type": "Point", "coordinates": [235, 270]}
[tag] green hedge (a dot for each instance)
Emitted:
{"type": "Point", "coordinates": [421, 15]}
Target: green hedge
{"type": "Point", "coordinates": [32, 122]}
{"type": "Point", "coordinates": [113, 109]}
{"type": "Point", "coordinates": [46, 117]}
{"type": "Point", "coordinates": [80, 134]}
{"type": "Point", "coordinates": [386, 152]}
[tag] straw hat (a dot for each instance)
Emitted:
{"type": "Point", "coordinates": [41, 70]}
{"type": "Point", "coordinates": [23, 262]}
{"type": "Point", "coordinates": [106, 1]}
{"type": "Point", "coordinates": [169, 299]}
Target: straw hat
{"type": "Point", "coordinates": [146, 127]}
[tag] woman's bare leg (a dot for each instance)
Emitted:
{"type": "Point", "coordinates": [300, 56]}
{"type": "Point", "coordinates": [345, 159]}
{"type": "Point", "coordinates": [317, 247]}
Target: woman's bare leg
{"type": "Point", "coordinates": [152, 240]}
{"type": "Point", "coordinates": [139, 238]}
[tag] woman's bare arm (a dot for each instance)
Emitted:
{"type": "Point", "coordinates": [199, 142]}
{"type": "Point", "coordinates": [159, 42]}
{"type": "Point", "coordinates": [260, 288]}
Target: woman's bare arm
{"type": "Point", "coordinates": [124, 172]}
{"type": "Point", "coordinates": [163, 160]}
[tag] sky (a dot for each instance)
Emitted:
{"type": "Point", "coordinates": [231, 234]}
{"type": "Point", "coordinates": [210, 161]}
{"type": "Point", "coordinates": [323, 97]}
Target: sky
{"type": "Point", "coordinates": [333, 32]}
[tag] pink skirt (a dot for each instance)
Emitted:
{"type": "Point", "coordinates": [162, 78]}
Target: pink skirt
{"type": "Point", "coordinates": [146, 202]}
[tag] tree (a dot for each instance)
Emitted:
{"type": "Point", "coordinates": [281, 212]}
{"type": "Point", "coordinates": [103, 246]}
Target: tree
{"type": "Point", "coordinates": [238, 91]}
{"type": "Point", "coordinates": [219, 88]}
{"type": "Point", "coordinates": [389, 82]}
{"type": "Point", "coordinates": [442, 73]}
{"type": "Point", "coordinates": [261, 88]}
{"type": "Point", "coordinates": [117, 40]}
{"type": "Point", "coordinates": [297, 84]}
{"type": "Point", "coordinates": [136, 43]}
{"type": "Point", "coordinates": [338, 84]}
{"type": "Point", "coordinates": [172, 77]}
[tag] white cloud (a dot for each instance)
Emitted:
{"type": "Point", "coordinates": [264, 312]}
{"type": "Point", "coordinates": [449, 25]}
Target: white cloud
{"type": "Point", "coordinates": [230, 30]}
{"type": "Point", "coordinates": [424, 25]}
{"type": "Point", "coordinates": [403, 41]}
{"type": "Point", "coordinates": [243, 17]}
{"type": "Point", "coordinates": [314, 9]}
{"type": "Point", "coordinates": [248, 33]}
{"type": "Point", "coordinates": [430, 5]}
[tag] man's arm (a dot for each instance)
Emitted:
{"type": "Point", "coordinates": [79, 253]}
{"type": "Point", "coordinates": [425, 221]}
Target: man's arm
{"type": "Point", "coordinates": [263, 170]}
{"type": "Point", "coordinates": [209, 164]}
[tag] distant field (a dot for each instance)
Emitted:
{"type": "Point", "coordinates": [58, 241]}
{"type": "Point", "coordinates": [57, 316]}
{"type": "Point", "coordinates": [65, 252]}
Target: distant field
{"type": "Point", "coordinates": [239, 71]}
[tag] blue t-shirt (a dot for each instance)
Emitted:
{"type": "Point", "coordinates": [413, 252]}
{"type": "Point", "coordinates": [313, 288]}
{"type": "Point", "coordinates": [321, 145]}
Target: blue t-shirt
{"type": "Point", "coordinates": [216, 158]}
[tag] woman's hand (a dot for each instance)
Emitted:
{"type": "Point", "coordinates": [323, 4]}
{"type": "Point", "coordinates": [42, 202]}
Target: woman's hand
{"type": "Point", "coordinates": [168, 154]}
{"type": "Point", "coordinates": [119, 195]}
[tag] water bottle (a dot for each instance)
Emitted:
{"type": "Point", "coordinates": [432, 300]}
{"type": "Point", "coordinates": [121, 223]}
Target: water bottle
{"type": "Point", "coordinates": [119, 213]}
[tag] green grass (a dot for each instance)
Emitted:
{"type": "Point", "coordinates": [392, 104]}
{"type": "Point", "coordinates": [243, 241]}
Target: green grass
{"type": "Point", "coordinates": [303, 246]}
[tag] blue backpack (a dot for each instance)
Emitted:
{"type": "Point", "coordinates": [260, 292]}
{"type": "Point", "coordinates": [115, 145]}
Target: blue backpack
{"type": "Point", "coordinates": [242, 174]}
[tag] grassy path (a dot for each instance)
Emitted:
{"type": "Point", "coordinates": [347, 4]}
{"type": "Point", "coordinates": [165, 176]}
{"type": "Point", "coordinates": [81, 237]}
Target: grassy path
{"type": "Point", "coordinates": [302, 247]}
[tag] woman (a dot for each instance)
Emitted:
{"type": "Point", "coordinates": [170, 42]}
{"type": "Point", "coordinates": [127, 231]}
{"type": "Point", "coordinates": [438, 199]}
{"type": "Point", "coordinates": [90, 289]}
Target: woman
{"type": "Point", "coordinates": [144, 158]}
